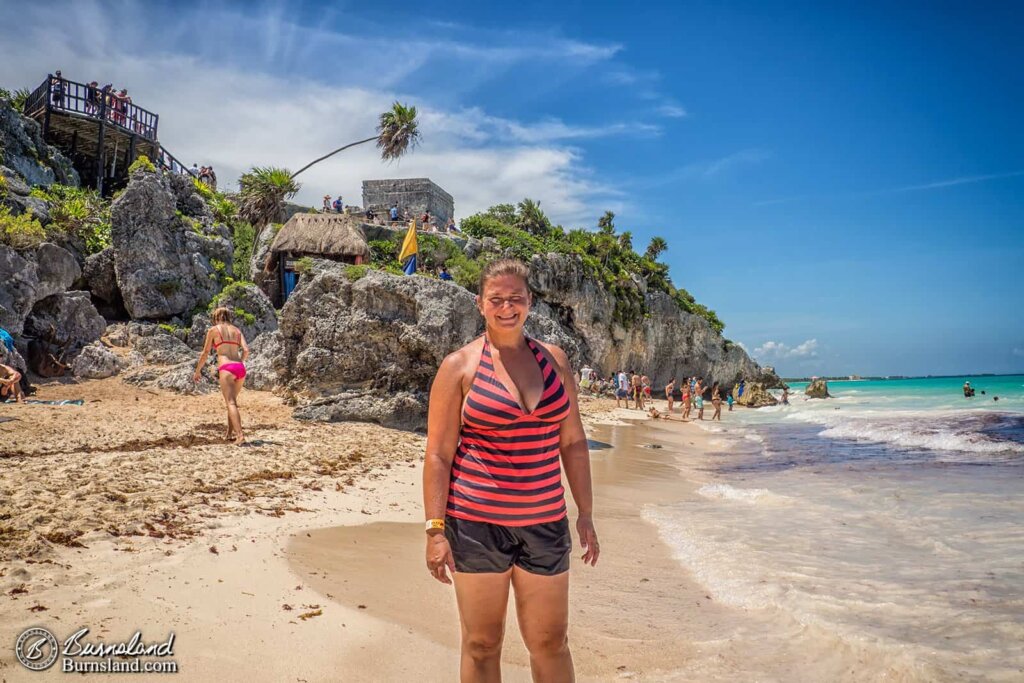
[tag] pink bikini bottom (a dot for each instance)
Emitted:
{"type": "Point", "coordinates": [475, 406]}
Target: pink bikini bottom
{"type": "Point", "coordinates": [236, 369]}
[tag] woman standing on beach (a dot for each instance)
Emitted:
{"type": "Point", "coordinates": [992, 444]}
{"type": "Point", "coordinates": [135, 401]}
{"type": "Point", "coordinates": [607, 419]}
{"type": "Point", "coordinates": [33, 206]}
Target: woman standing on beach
{"type": "Point", "coordinates": [232, 352]}
{"type": "Point", "coordinates": [669, 390]}
{"type": "Point", "coordinates": [716, 401]}
{"type": "Point", "coordinates": [503, 418]}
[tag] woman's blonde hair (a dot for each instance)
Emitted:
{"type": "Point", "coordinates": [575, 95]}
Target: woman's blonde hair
{"type": "Point", "coordinates": [505, 266]}
{"type": "Point", "coordinates": [222, 315]}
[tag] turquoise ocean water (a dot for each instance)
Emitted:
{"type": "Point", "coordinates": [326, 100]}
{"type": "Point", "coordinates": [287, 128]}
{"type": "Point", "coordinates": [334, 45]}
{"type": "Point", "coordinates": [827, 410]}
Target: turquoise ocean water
{"type": "Point", "coordinates": [891, 515]}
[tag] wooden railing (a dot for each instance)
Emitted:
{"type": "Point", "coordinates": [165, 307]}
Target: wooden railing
{"type": "Point", "coordinates": [62, 95]}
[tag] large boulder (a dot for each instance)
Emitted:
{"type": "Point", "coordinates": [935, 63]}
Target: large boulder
{"type": "Point", "coordinates": [817, 389]}
{"type": "Point", "coordinates": [163, 349]}
{"type": "Point", "coordinates": [29, 276]}
{"type": "Point", "coordinates": [344, 334]}
{"type": "Point", "coordinates": [403, 410]}
{"type": "Point", "coordinates": [95, 361]}
{"type": "Point", "coordinates": [755, 395]}
{"type": "Point", "coordinates": [57, 269]}
{"type": "Point", "coordinates": [26, 153]}
{"type": "Point", "coordinates": [265, 367]}
{"type": "Point", "coordinates": [167, 262]}
{"type": "Point", "coordinates": [251, 310]}
{"type": "Point", "coordinates": [66, 318]}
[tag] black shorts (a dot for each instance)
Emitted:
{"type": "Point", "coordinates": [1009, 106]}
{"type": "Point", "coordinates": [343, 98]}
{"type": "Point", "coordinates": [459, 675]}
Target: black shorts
{"type": "Point", "coordinates": [482, 547]}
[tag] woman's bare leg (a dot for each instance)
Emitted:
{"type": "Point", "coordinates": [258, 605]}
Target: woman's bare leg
{"type": "Point", "coordinates": [542, 605]}
{"type": "Point", "coordinates": [228, 389]}
{"type": "Point", "coordinates": [483, 600]}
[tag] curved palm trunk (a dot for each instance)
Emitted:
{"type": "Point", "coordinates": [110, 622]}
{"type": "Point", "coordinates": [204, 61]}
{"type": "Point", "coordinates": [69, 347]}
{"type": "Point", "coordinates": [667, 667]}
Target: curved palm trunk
{"type": "Point", "coordinates": [327, 156]}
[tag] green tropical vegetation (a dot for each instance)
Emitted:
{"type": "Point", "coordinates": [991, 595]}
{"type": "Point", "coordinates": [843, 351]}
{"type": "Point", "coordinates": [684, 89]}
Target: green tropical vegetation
{"type": "Point", "coordinates": [523, 230]}
{"type": "Point", "coordinates": [16, 97]}
{"type": "Point", "coordinates": [22, 231]}
{"type": "Point", "coordinates": [76, 212]}
{"type": "Point", "coordinates": [262, 191]}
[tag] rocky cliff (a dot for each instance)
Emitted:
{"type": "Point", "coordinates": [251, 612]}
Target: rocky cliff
{"type": "Point", "coordinates": [365, 345]}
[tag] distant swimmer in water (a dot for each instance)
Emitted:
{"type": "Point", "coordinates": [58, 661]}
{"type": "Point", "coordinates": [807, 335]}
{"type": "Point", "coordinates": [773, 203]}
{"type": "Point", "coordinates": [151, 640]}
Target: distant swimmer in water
{"type": "Point", "coordinates": [785, 396]}
{"type": "Point", "coordinates": [968, 390]}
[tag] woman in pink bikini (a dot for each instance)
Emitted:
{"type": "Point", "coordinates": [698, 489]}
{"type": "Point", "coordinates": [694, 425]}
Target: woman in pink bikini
{"type": "Point", "coordinates": [232, 351]}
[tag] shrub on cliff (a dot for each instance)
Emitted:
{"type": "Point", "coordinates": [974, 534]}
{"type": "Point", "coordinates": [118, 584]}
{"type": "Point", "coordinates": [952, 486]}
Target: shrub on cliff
{"type": "Point", "coordinates": [142, 164]}
{"type": "Point", "coordinates": [523, 231]}
{"type": "Point", "coordinates": [77, 211]}
{"type": "Point", "coordinates": [21, 231]}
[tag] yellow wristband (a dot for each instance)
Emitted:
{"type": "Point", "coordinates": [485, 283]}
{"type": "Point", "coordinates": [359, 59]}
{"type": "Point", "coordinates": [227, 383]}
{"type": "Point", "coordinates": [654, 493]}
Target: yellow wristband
{"type": "Point", "coordinates": [435, 524]}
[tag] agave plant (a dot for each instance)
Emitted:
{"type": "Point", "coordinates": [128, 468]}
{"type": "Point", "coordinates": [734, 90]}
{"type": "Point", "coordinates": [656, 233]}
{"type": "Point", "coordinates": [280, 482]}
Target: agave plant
{"type": "Point", "coordinates": [261, 192]}
{"type": "Point", "coordinates": [397, 133]}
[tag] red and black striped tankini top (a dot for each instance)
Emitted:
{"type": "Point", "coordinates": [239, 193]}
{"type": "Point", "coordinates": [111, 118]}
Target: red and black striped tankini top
{"type": "Point", "coordinates": [507, 469]}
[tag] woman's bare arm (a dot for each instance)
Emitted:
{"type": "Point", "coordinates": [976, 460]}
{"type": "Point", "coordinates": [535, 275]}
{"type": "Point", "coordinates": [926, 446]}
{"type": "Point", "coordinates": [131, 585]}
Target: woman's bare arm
{"type": "Point", "coordinates": [443, 422]}
{"type": "Point", "coordinates": [245, 347]}
{"type": "Point", "coordinates": [203, 356]}
{"type": "Point", "coordinates": [576, 459]}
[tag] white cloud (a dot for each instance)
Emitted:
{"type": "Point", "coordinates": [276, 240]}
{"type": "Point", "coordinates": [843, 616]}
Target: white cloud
{"type": "Point", "coordinates": [772, 350]}
{"type": "Point", "coordinates": [252, 91]}
{"type": "Point", "coordinates": [672, 111]}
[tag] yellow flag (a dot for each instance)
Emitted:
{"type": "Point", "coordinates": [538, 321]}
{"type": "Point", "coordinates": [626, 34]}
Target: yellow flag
{"type": "Point", "coordinates": [409, 246]}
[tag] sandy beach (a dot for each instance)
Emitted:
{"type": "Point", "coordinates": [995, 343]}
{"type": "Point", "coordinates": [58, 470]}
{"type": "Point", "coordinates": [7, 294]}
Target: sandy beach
{"type": "Point", "coordinates": [300, 557]}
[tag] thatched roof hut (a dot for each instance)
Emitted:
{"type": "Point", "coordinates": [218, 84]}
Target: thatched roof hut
{"type": "Point", "coordinates": [325, 235]}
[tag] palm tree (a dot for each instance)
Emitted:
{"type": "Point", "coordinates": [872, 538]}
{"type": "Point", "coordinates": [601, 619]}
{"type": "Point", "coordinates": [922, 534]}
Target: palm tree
{"type": "Point", "coordinates": [656, 247]}
{"type": "Point", "coordinates": [626, 241]}
{"type": "Point", "coordinates": [606, 223]}
{"type": "Point", "coordinates": [531, 218]}
{"type": "Point", "coordinates": [261, 192]}
{"type": "Point", "coordinates": [397, 133]}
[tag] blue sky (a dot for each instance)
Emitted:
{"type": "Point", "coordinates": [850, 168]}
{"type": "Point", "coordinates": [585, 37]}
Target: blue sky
{"type": "Point", "coordinates": [842, 182]}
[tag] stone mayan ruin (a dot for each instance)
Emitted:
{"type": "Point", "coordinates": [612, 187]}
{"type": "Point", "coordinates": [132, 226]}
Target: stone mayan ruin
{"type": "Point", "coordinates": [415, 194]}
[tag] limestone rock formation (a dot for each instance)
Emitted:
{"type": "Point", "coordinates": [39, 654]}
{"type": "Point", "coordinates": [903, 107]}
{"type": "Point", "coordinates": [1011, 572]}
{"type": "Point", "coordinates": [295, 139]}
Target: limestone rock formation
{"type": "Point", "coordinates": [755, 395]}
{"type": "Point", "coordinates": [29, 276]}
{"type": "Point", "coordinates": [95, 361]}
{"type": "Point", "coordinates": [403, 410]}
{"type": "Point", "coordinates": [71, 317]}
{"type": "Point", "coordinates": [26, 153]}
{"type": "Point", "coordinates": [165, 259]}
{"type": "Point", "coordinates": [243, 300]}
{"type": "Point", "coordinates": [377, 335]}
{"type": "Point", "coordinates": [163, 349]}
{"type": "Point", "coordinates": [266, 367]}
{"type": "Point", "coordinates": [100, 279]}
{"type": "Point", "coordinates": [668, 342]}
{"type": "Point", "coordinates": [817, 389]}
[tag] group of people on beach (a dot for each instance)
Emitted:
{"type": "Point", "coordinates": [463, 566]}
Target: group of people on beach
{"type": "Point", "coordinates": [628, 385]}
